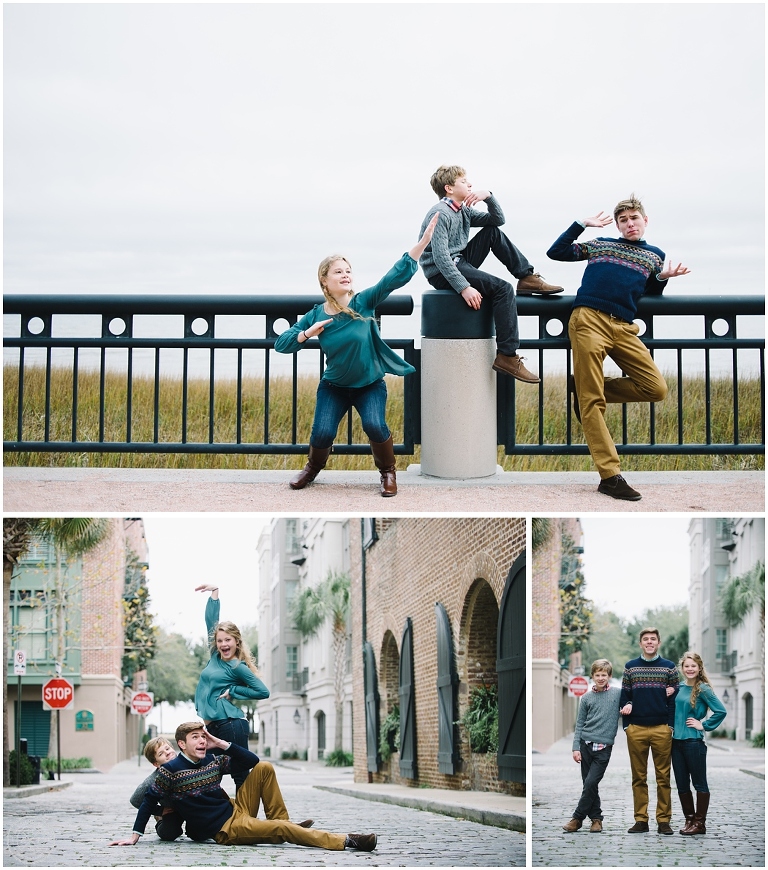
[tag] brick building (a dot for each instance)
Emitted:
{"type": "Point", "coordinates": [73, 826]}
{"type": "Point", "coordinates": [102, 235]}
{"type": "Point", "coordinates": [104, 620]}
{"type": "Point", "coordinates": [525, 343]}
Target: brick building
{"type": "Point", "coordinates": [438, 610]}
{"type": "Point", "coordinates": [553, 712]}
{"type": "Point", "coordinates": [100, 725]}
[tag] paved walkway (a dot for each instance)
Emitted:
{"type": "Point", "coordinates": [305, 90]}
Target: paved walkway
{"type": "Point", "coordinates": [735, 826]}
{"type": "Point", "coordinates": [149, 490]}
{"type": "Point", "coordinates": [72, 827]}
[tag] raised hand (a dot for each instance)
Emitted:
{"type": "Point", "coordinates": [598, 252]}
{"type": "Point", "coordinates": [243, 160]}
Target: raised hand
{"type": "Point", "coordinates": [206, 587]}
{"type": "Point", "coordinates": [475, 197]}
{"type": "Point", "coordinates": [599, 220]}
{"type": "Point", "coordinates": [418, 249]}
{"type": "Point", "coordinates": [669, 272]}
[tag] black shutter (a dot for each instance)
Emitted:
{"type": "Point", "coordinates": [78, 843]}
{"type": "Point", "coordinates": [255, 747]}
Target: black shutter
{"type": "Point", "coordinates": [510, 667]}
{"type": "Point", "coordinates": [371, 708]}
{"type": "Point", "coordinates": [407, 705]}
{"type": "Point", "coordinates": [447, 686]}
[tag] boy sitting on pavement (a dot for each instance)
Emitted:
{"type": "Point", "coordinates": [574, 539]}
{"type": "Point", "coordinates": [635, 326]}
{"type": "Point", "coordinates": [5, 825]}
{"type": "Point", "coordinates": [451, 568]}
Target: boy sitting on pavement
{"type": "Point", "coordinates": [451, 261]}
{"type": "Point", "coordinates": [618, 273]}
{"type": "Point", "coordinates": [158, 751]}
{"type": "Point", "coordinates": [192, 780]}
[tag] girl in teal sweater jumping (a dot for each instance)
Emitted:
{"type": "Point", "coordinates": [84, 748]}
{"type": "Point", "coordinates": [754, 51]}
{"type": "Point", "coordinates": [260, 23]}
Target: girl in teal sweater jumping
{"type": "Point", "coordinates": [230, 675]}
{"type": "Point", "coordinates": [357, 359]}
{"type": "Point", "coordinates": [689, 751]}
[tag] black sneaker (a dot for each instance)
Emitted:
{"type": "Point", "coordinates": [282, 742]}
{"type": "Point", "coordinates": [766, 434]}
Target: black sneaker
{"type": "Point", "coordinates": [363, 842]}
{"type": "Point", "coordinates": [617, 487]}
{"type": "Point", "coordinates": [639, 828]}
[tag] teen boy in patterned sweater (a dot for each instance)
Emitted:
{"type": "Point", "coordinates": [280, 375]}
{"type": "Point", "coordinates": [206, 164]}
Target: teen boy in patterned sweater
{"type": "Point", "coordinates": [649, 720]}
{"type": "Point", "coordinates": [618, 273]}
{"type": "Point", "coordinates": [192, 781]}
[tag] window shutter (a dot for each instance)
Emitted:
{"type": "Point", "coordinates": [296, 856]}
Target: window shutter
{"type": "Point", "coordinates": [371, 708]}
{"type": "Point", "coordinates": [510, 667]}
{"type": "Point", "coordinates": [407, 705]}
{"type": "Point", "coordinates": [447, 686]}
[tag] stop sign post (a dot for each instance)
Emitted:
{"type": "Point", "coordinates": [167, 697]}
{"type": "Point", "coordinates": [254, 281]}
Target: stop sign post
{"type": "Point", "coordinates": [578, 686]}
{"type": "Point", "coordinates": [58, 695]}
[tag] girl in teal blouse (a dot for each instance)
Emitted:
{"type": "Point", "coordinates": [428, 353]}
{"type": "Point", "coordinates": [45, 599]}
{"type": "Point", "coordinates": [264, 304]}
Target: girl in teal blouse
{"type": "Point", "coordinates": [230, 675]}
{"type": "Point", "coordinates": [695, 699]}
{"type": "Point", "coordinates": [357, 358]}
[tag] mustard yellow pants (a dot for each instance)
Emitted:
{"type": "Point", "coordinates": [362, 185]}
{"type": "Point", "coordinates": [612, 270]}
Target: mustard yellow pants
{"type": "Point", "coordinates": [595, 335]}
{"type": "Point", "coordinates": [657, 739]}
{"type": "Point", "coordinates": [243, 828]}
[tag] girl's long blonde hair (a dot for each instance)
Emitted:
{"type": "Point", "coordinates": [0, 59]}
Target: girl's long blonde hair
{"type": "Point", "coordinates": [322, 274]}
{"type": "Point", "coordinates": [701, 677]}
{"type": "Point", "coordinates": [241, 647]}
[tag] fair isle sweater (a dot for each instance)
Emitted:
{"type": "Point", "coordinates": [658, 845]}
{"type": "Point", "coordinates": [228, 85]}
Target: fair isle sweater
{"type": "Point", "coordinates": [618, 271]}
{"type": "Point", "coordinates": [644, 685]}
{"type": "Point", "coordinates": [450, 237]}
{"type": "Point", "coordinates": [194, 791]}
{"type": "Point", "coordinates": [598, 719]}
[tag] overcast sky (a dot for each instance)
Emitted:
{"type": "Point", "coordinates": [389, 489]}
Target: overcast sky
{"type": "Point", "coordinates": [633, 563]}
{"type": "Point", "coordinates": [229, 148]}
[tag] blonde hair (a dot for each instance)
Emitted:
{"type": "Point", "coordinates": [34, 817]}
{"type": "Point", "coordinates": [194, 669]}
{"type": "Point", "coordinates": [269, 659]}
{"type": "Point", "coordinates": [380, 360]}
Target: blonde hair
{"type": "Point", "coordinates": [701, 677]}
{"type": "Point", "coordinates": [601, 665]}
{"type": "Point", "coordinates": [241, 647]}
{"type": "Point", "coordinates": [322, 274]}
{"type": "Point", "coordinates": [445, 175]}
{"type": "Point", "coordinates": [631, 204]}
{"type": "Point", "coordinates": [150, 750]}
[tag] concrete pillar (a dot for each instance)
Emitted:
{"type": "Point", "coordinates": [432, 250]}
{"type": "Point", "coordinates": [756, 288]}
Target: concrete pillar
{"type": "Point", "coordinates": [458, 388]}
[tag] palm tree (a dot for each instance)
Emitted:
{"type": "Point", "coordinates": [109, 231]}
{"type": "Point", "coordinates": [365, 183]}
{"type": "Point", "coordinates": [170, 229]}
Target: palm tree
{"type": "Point", "coordinates": [741, 596]}
{"type": "Point", "coordinates": [541, 531]}
{"type": "Point", "coordinates": [17, 536]}
{"type": "Point", "coordinates": [309, 611]}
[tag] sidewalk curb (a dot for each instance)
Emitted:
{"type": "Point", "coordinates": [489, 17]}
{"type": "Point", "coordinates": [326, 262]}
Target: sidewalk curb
{"type": "Point", "coordinates": [29, 790]}
{"type": "Point", "coordinates": [498, 819]}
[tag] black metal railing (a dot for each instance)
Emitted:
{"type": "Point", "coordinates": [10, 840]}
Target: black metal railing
{"type": "Point", "coordinates": [54, 361]}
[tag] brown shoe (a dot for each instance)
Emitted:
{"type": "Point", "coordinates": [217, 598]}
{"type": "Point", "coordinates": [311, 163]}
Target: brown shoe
{"type": "Point", "coordinates": [573, 825]}
{"type": "Point", "coordinates": [617, 487]}
{"type": "Point", "coordinates": [530, 284]}
{"type": "Point", "coordinates": [513, 365]}
{"type": "Point", "coordinates": [665, 828]}
{"type": "Point", "coordinates": [315, 464]}
{"type": "Point", "coordinates": [699, 823]}
{"type": "Point", "coordinates": [639, 828]}
{"type": "Point", "coordinates": [362, 842]}
{"type": "Point", "coordinates": [597, 826]}
{"type": "Point", "coordinates": [307, 823]}
{"type": "Point", "coordinates": [384, 457]}
{"type": "Point", "coordinates": [689, 811]}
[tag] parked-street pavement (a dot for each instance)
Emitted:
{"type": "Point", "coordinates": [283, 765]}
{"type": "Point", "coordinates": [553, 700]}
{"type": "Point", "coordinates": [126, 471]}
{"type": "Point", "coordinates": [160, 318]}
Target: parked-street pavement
{"type": "Point", "coordinates": [73, 827]}
{"type": "Point", "coordinates": [735, 825]}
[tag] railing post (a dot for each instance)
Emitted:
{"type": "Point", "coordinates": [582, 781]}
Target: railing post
{"type": "Point", "coordinates": [458, 388]}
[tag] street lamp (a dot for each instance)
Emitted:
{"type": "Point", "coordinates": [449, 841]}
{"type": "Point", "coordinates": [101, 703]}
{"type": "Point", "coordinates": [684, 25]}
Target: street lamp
{"type": "Point", "coordinates": [297, 717]}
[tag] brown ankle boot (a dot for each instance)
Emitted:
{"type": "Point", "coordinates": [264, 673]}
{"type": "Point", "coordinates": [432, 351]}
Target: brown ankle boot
{"type": "Point", "coordinates": [698, 825]}
{"type": "Point", "coordinates": [686, 802]}
{"type": "Point", "coordinates": [315, 464]}
{"type": "Point", "coordinates": [384, 457]}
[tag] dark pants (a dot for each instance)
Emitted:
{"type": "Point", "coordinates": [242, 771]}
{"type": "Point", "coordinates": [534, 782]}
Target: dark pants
{"type": "Point", "coordinates": [233, 731]}
{"type": "Point", "coordinates": [333, 403]}
{"type": "Point", "coordinates": [689, 762]}
{"type": "Point", "coordinates": [500, 292]}
{"type": "Point", "coordinates": [593, 765]}
{"type": "Point", "coordinates": [169, 826]}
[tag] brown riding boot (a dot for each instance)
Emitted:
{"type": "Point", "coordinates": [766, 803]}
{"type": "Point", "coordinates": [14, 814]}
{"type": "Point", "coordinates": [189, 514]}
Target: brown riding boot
{"type": "Point", "coordinates": [698, 825]}
{"type": "Point", "coordinates": [686, 802]}
{"type": "Point", "coordinates": [315, 464]}
{"type": "Point", "coordinates": [384, 457]}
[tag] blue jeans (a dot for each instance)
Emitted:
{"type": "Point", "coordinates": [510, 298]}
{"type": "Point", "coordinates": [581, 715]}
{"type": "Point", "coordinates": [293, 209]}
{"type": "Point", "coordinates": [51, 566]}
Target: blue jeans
{"type": "Point", "coordinates": [234, 731]}
{"type": "Point", "coordinates": [689, 762]}
{"type": "Point", "coordinates": [333, 403]}
{"type": "Point", "coordinates": [500, 292]}
{"type": "Point", "coordinates": [593, 765]}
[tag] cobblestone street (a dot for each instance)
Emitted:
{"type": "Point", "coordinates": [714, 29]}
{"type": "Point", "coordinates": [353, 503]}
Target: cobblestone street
{"type": "Point", "coordinates": [72, 827]}
{"type": "Point", "coordinates": [735, 825]}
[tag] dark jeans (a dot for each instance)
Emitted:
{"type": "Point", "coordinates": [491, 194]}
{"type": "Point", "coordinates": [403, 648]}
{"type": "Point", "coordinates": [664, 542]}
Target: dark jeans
{"type": "Point", "coordinates": [234, 731]}
{"type": "Point", "coordinates": [593, 765]}
{"type": "Point", "coordinates": [500, 292]}
{"type": "Point", "coordinates": [333, 403]}
{"type": "Point", "coordinates": [689, 762]}
{"type": "Point", "coordinates": [169, 826]}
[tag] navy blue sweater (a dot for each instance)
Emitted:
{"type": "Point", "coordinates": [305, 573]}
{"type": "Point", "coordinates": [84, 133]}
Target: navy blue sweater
{"type": "Point", "coordinates": [618, 271]}
{"type": "Point", "coordinates": [644, 684]}
{"type": "Point", "coordinates": [194, 791]}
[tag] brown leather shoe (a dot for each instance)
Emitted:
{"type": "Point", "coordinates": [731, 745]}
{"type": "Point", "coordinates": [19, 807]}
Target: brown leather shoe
{"type": "Point", "coordinates": [639, 828]}
{"type": "Point", "coordinates": [513, 365]}
{"type": "Point", "coordinates": [665, 828]}
{"type": "Point", "coordinates": [530, 284]}
{"type": "Point", "coordinates": [315, 464]}
{"type": "Point", "coordinates": [617, 487]}
{"type": "Point", "coordinates": [699, 823]}
{"type": "Point", "coordinates": [362, 842]}
{"type": "Point", "coordinates": [597, 826]}
{"type": "Point", "coordinates": [384, 457]}
{"type": "Point", "coordinates": [573, 825]}
{"type": "Point", "coordinates": [689, 811]}
{"type": "Point", "coordinates": [307, 823]}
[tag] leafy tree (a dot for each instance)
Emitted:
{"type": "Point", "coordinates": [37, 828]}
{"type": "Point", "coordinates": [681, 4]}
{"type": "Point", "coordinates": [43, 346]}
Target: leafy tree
{"type": "Point", "coordinates": [541, 532]}
{"type": "Point", "coordinates": [172, 673]}
{"type": "Point", "coordinates": [311, 609]}
{"type": "Point", "coordinates": [138, 622]}
{"type": "Point", "coordinates": [575, 617]}
{"type": "Point", "coordinates": [672, 623]}
{"type": "Point", "coordinates": [608, 639]}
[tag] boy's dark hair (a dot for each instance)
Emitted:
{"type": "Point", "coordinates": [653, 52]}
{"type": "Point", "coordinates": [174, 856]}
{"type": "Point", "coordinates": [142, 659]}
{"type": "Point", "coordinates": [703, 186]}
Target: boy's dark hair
{"type": "Point", "coordinates": [649, 630]}
{"type": "Point", "coordinates": [187, 728]}
{"type": "Point", "coordinates": [445, 175]}
{"type": "Point", "coordinates": [601, 665]}
{"type": "Point", "coordinates": [631, 204]}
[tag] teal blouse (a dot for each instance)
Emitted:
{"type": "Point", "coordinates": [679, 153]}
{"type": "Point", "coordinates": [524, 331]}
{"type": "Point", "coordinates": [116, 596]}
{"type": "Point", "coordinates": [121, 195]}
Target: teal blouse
{"type": "Point", "coordinates": [218, 676]}
{"type": "Point", "coordinates": [706, 700]}
{"type": "Point", "coordinates": [356, 354]}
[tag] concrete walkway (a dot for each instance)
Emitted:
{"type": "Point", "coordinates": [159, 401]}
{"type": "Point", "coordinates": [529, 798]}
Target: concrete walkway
{"type": "Point", "coordinates": [147, 490]}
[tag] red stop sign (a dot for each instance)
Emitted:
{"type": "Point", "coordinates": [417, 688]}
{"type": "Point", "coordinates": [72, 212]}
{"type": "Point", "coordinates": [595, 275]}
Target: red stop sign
{"type": "Point", "coordinates": [142, 702]}
{"type": "Point", "coordinates": [58, 694]}
{"type": "Point", "coordinates": [578, 686]}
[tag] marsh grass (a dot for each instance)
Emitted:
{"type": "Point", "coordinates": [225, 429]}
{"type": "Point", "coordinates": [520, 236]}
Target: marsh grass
{"type": "Point", "coordinates": [279, 426]}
